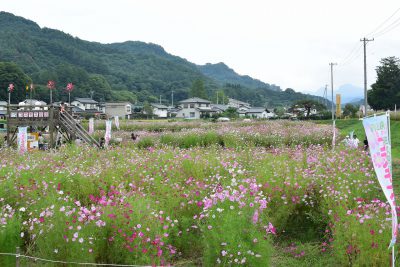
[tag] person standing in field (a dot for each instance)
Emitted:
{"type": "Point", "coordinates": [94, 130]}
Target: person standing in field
{"type": "Point", "coordinates": [355, 141]}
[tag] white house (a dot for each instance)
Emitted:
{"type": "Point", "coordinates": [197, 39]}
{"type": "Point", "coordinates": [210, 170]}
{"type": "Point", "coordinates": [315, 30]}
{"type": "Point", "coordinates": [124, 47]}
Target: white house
{"type": "Point", "coordinates": [120, 109]}
{"type": "Point", "coordinates": [3, 110]}
{"type": "Point", "coordinates": [33, 102]}
{"type": "Point", "coordinates": [194, 108]}
{"type": "Point", "coordinates": [86, 104]}
{"type": "Point", "coordinates": [257, 113]}
{"type": "Point", "coordinates": [160, 110]}
{"type": "Point", "coordinates": [3, 105]}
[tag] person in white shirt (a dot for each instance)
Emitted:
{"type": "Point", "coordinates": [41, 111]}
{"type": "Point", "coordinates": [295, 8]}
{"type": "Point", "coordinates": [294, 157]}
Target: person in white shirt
{"type": "Point", "coordinates": [355, 141]}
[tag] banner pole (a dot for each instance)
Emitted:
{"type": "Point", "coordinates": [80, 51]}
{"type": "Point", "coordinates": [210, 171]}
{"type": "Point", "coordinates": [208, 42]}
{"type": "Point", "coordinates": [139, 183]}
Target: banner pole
{"type": "Point", "coordinates": [393, 258]}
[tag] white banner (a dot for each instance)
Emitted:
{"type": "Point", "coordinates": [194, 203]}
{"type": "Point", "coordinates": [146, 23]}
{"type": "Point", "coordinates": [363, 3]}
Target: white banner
{"type": "Point", "coordinates": [116, 118]}
{"type": "Point", "coordinates": [22, 139]}
{"type": "Point", "coordinates": [107, 136]}
{"type": "Point", "coordinates": [377, 129]}
{"type": "Point", "coordinates": [91, 126]}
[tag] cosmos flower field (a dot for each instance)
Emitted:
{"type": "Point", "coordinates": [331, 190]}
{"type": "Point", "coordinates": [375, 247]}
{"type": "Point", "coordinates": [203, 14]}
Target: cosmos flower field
{"type": "Point", "coordinates": [262, 194]}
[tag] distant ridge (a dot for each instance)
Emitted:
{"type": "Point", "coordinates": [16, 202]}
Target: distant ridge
{"type": "Point", "coordinates": [127, 71]}
{"type": "Point", "coordinates": [225, 75]}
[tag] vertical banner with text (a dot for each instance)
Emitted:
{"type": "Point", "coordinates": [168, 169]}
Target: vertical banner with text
{"type": "Point", "coordinates": [91, 126]}
{"type": "Point", "coordinates": [116, 119]}
{"type": "Point", "coordinates": [338, 106]}
{"type": "Point", "coordinates": [377, 129]}
{"type": "Point", "coordinates": [22, 139]}
{"type": "Point", "coordinates": [107, 136]}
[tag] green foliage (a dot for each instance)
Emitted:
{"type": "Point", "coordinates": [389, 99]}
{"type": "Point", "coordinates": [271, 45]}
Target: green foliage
{"type": "Point", "coordinates": [198, 90]}
{"type": "Point", "coordinates": [11, 73]}
{"type": "Point", "coordinates": [148, 109]}
{"type": "Point", "coordinates": [230, 113]}
{"type": "Point", "coordinates": [385, 91]}
{"type": "Point", "coordinates": [308, 104]}
{"type": "Point", "coordinates": [350, 110]}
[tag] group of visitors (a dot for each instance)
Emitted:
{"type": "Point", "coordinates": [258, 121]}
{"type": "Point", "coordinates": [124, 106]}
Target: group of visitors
{"type": "Point", "coordinates": [353, 142]}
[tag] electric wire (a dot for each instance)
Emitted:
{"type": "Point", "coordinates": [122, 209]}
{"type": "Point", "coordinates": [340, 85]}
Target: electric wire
{"type": "Point", "coordinates": [383, 23]}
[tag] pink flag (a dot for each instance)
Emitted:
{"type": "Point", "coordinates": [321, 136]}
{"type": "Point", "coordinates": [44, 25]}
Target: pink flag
{"type": "Point", "coordinates": [11, 87]}
{"type": "Point", "coordinates": [51, 85]}
{"type": "Point", "coordinates": [70, 87]}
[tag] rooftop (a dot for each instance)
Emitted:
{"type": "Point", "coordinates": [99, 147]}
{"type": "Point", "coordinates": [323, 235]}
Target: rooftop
{"type": "Point", "coordinates": [195, 100]}
{"type": "Point", "coordinates": [86, 100]}
{"type": "Point", "coordinates": [117, 103]}
{"type": "Point", "coordinates": [159, 106]}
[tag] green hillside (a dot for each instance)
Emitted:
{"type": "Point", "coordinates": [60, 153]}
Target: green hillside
{"type": "Point", "coordinates": [225, 75]}
{"type": "Point", "coordinates": [119, 71]}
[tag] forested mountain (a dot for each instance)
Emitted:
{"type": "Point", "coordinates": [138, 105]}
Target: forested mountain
{"type": "Point", "coordinates": [225, 75]}
{"type": "Point", "coordinates": [119, 71]}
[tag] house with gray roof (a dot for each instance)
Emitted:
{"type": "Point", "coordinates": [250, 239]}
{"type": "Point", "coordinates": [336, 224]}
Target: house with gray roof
{"type": "Point", "coordinates": [257, 113]}
{"type": "Point", "coordinates": [86, 104]}
{"type": "Point", "coordinates": [194, 108]}
{"type": "Point", "coordinates": [159, 110]}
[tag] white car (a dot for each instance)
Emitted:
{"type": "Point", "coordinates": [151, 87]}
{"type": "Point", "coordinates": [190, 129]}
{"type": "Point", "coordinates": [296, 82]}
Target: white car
{"type": "Point", "coordinates": [223, 119]}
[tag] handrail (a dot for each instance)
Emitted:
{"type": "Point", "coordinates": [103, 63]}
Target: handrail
{"type": "Point", "coordinates": [79, 130]}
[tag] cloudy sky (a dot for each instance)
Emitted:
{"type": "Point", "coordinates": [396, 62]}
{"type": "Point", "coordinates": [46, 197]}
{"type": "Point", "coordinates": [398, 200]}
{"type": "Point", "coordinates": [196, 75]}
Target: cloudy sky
{"type": "Point", "coordinates": [287, 42]}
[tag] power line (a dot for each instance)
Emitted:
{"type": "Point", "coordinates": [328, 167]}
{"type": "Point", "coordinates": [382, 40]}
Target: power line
{"type": "Point", "coordinates": [383, 23]}
{"type": "Point", "coordinates": [391, 27]}
{"type": "Point", "coordinates": [353, 57]}
{"type": "Point", "coordinates": [351, 53]}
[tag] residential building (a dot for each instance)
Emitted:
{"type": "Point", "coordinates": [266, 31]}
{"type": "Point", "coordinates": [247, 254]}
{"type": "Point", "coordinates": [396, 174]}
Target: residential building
{"type": "Point", "coordinates": [120, 109]}
{"type": "Point", "coordinates": [218, 108]}
{"type": "Point", "coordinates": [194, 108]}
{"type": "Point", "coordinates": [3, 110]}
{"type": "Point", "coordinates": [238, 104]}
{"type": "Point", "coordinates": [159, 110]}
{"type": "Point", "coordinates": [257, 113]}
{"type": "Point", "coordinates": [86, 104]}
{"type": "Point", "coordinates": [33, 102]}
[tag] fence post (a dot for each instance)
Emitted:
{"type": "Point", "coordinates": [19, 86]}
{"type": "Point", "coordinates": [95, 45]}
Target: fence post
{"type": "Point", "coordinates": [17, 257]}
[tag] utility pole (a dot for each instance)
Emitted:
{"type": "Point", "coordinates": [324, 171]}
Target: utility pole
{"type": "Point", "coordinates": [325, 96]}
{"type": "Point", "coordinates": [332, 64]}
{"type": "Point", "coordinates": [172, 98]}
{"type": "Point", "coordinates": [160, 99]}
{"type": "Point", "coordinates": [217, 97]}
{"type": "Point", "coordinates": [365, 41]}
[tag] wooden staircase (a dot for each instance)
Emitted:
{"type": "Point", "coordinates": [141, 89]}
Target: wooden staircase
{"type": "Point", "coordinates": [69, 125]}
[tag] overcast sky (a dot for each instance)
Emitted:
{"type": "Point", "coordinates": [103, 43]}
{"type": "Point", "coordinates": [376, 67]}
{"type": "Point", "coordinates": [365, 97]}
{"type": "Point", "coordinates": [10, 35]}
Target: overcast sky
{"type": "Point", "coordinates": [285, 42]}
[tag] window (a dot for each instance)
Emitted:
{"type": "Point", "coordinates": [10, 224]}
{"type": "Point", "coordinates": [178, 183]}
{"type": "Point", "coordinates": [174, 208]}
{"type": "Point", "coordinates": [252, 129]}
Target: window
{"type": "Point", "coordinates": [192, 114]}
{"type": "Point", "coordinates": [128, 109]}
{"type": "Point", "coordinates": [183, 115]}
{"type": "Point", "coordinates": [185, 105]}
{"type": "Point", "coordinates": [207, 105]}
{"type": "Point", "coordinates": [191, 105]}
